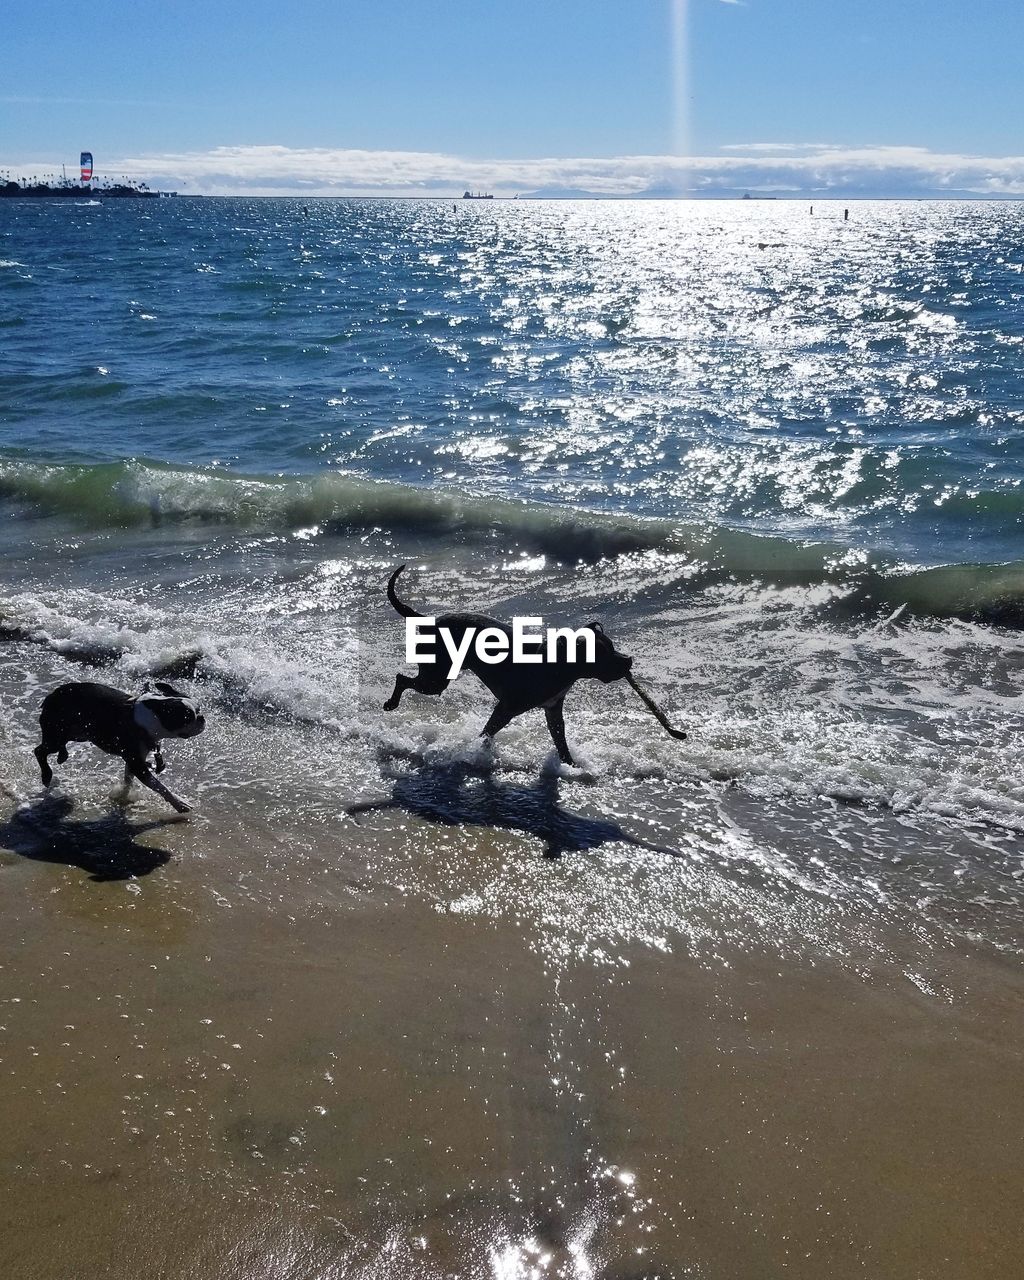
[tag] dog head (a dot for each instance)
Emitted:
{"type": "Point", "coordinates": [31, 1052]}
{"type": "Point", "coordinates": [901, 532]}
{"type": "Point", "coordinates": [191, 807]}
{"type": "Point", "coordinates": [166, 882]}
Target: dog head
{"type": "Point", "coordinates": [609, 664]}
{"type": "Point", "coordinates": [166, 712]}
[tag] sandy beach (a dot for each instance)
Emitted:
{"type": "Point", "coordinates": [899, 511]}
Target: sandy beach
{"type": "Point", "coordinates": [409, 1044]}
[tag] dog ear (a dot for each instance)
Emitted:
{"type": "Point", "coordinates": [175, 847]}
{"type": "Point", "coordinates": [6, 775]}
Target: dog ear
{"type": "Point", "coordinates": [168, 690]}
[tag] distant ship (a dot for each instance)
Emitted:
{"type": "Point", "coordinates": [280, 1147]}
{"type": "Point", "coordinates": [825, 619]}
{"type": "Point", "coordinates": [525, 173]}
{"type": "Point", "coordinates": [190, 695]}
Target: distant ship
{"type": "Point", "coordinates": [477, 195]}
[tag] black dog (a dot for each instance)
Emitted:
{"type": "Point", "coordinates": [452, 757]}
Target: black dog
{"type": "Point", "coordinates": [118, 724]}
{"type": "Point", "coordinates": [517, 687]}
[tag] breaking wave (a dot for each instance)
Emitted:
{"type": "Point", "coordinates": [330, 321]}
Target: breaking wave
{"type": "Point", "coordinates": [135, 494]}
{"type": "Point", "coordinates": [839, 746]}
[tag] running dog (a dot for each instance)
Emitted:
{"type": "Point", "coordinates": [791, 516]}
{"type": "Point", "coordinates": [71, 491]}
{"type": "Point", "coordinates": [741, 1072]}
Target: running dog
{"type": "Point", "coordinates": [120, 725]}
{"type": "Point", "coordinates": [517, 687]}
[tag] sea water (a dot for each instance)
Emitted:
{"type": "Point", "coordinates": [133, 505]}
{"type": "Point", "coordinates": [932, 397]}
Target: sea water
{"type": "Point", "coordinates": [778, 456]}
{"type": "Point", "coordinates": [736, 398]}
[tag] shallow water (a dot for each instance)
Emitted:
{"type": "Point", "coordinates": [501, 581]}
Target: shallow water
{"type": "Point", "coordinates": [672, 1014]}
{"type": "Point", "coordinates": [714, 1032]}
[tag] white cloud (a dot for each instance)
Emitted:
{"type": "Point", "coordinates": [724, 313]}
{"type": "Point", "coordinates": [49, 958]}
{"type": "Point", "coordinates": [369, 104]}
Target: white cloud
{"type": "Point", "coordinates": [784, 169]}
{"type": "Point", "coordinates": [770, 147]}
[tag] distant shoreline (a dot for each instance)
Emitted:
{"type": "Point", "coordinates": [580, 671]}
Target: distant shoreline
{"type": "Point", "coordinates": [65, 191]}
{"type": "Point", "coordinates": [121, 191]}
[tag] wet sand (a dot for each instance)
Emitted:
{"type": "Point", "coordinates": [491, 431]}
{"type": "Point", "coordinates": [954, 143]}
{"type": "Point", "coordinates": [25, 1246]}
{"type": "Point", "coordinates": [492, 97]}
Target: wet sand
{"type": "Point", "coordinates": [411, 1045]}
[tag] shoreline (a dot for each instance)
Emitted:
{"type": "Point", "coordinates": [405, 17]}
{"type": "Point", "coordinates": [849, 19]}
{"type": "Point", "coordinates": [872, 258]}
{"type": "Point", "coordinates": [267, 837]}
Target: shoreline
{"type": "Point", "coordinates": [394, 1075]}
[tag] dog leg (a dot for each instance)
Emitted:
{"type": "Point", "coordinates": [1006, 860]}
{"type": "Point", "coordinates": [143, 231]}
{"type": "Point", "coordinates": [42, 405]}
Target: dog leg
{"type": "Point", "coordinates": [499, 718]}
{"type": "Point", "coordinates": [556, 727]}
{"type": "Point", "coordinates": [158, 762]}
{"type": "Point", "coordinates": [402, 682]}
{"type": "Point", "coordinates": [139, 769]}
{"type": "Point", "coordinates": [429, 680]}
{"type": "Point", "coordinates": [43, 756]}
{"type": "Point", "coordinates": [122, 793]}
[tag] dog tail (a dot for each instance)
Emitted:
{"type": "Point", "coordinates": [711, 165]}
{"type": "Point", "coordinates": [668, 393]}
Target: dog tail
{"type": "Point", "coordinates": [407, 611]}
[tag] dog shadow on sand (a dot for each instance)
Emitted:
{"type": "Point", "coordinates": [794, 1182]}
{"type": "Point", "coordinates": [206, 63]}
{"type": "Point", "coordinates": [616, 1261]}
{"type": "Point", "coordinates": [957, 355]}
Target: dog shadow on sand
{"type": "Point", "coordinates": [454, 793]}
{"type": "Point", "coordinates": [105, 847]}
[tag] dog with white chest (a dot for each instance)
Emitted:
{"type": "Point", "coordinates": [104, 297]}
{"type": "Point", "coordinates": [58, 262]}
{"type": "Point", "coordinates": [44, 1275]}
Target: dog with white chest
{"type": "Point", "coordinates": [119, 724]}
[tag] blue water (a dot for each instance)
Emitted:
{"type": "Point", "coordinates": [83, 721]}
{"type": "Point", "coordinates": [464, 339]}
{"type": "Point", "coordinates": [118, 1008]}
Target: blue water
{"type": "Point", "coordinates": [734, 366]}
{"type": "Point", "coordinates": [779, 456]}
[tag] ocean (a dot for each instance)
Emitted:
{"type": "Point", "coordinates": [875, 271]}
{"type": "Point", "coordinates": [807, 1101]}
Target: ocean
{"type": "Point", "coordinates": [394, 1003]}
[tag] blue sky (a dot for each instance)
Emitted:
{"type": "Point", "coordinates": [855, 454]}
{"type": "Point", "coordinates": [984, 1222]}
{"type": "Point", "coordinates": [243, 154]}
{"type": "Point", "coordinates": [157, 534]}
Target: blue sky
{"type": "Point", "coordinates": [309, 94]}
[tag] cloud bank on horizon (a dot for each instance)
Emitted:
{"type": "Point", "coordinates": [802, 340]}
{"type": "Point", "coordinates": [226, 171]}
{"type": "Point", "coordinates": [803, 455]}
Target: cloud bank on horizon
{"type": "Point", "coordinates": [778, 169]}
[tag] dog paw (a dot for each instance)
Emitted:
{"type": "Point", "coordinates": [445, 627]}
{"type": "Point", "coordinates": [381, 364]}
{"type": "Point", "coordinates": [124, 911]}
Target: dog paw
{"type": "Point", "coordinates": [572, 771]}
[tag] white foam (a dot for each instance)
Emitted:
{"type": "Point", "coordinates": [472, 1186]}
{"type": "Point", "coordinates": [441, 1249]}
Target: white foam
{"type": "Point", "coordinates": [891, 717]}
